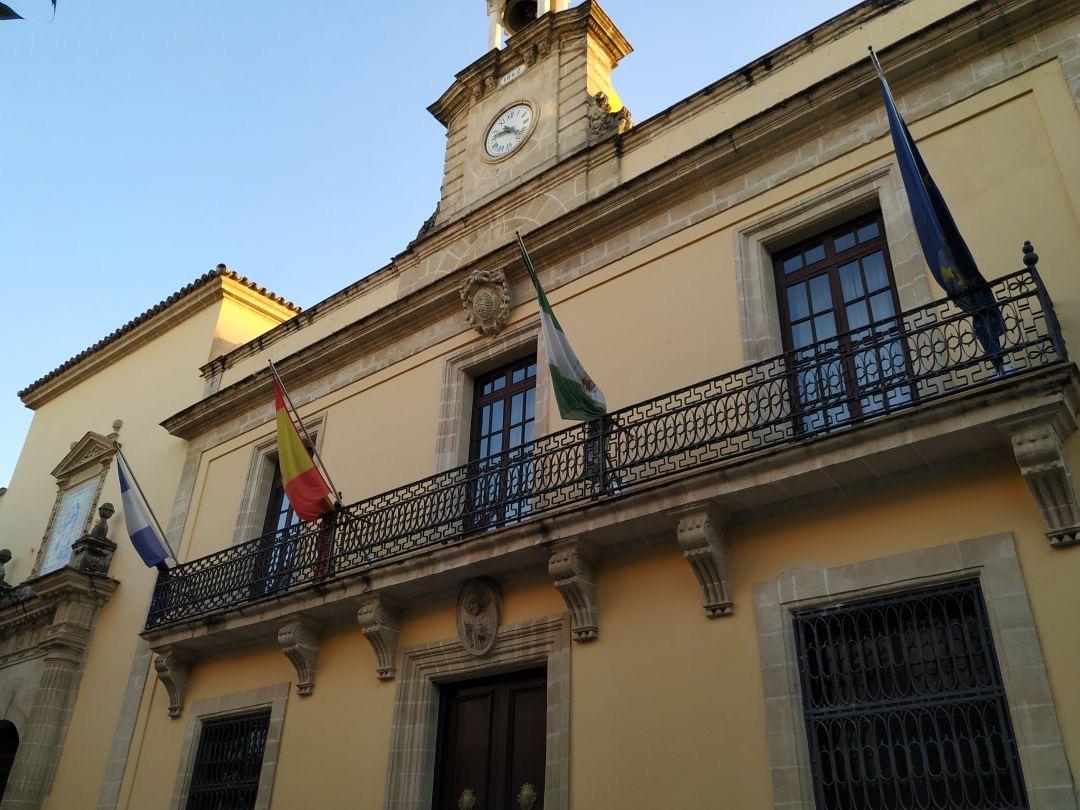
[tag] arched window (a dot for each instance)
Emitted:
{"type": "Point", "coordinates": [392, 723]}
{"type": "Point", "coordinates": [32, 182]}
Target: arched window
{"type": "Point", "coordinates": [9, 745]}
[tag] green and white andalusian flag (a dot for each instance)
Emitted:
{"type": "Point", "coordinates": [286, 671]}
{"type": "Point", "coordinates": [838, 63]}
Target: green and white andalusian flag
{"type": "Point", "coordinates": [576, 393]}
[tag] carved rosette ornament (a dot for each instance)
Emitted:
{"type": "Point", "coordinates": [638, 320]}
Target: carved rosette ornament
{"type": "Point", "coordinates": [299, 640]}
{"type": "Point", "coordinates": [479, 610]}
{"type": "Point", "coordinates": [486, 298]}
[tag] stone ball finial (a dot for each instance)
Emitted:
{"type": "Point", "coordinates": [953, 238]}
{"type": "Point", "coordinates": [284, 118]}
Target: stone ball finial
{"type": "Point", "coordinates": [106, 511]}
{"type": "Point", "coordinates": [5, 556]}
{"type": "Point", "coordinates": [1031, 258]}
{"type": "Point", "coordinates": [117, 424]}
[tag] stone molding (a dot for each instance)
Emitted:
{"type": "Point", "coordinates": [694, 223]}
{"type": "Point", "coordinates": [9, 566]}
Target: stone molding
{"type": "Point", "coordinates": [993, 561]}
{"type": "Point", "coordinates": [411, 769]}
{"type": "Point", "coordinates": [380, 623]}
{"type": "Point", "coordinates": [260, 476]}
{"type": "Point", "coordinates": [452, 432]}
{"type": "Point", "coordinates": [173, 670]}
{"type": "Point", "coordinates": [89, 459]}
{"type": "Point", "coordinates": [704, 544]}
{"type": "Point", "coordinates": [571, 566]}
{"type": "Point", "coordinates": [879, 187]}
{"type": "Point", "coordinates": [485, 295]}
{"type": "Point", "coordinates": [273, 697]}
{"type": "Point", "coordinates": [299, 640]}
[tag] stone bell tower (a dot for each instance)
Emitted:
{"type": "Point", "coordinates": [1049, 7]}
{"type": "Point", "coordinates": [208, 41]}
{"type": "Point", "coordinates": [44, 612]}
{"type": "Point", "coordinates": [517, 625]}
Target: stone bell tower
{"type": "Point", "coordinates": [541, 93]}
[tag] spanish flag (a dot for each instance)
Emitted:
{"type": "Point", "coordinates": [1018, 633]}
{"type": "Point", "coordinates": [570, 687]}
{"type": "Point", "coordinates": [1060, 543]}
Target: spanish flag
{"type": "Point", "coordinates": [306, 487]}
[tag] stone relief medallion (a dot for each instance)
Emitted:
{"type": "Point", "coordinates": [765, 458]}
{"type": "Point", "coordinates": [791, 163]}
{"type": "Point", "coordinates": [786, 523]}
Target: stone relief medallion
{"type": "Point", "coordinates": [479, 610]}
{"type": "Point", "coordinates": [486, 298]}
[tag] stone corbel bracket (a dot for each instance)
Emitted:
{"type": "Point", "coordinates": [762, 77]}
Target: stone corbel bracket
{"type": "Point", "coordinates": [1040, 454]}
{"type": "Point", "coordinates": [704, 544]}
{"type": "Point", "coordinates": [299, 640]}
{"type": "Point", "coordinates": [571, 567]}
{"type": "Point", "coordinates": [381, 625]}
{"type": "Point", "coordinates": [173, 670]}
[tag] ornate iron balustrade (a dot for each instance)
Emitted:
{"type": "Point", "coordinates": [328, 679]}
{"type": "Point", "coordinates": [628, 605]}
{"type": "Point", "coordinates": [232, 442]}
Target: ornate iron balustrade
{"type": "Point", "coordinates": [888, 366]}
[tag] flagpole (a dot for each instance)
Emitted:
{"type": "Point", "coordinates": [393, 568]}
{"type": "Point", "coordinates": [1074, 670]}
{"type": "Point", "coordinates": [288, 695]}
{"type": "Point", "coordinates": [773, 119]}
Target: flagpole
{"type": "Point", "coordinates": [149, 508]}
{"type": "Point", "coordinates": [311, 444]}
{"type": "Point", "coordinates": [874, 61]}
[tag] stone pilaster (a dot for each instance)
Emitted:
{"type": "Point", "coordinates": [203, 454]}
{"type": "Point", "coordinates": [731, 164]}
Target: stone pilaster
{"type": "Point", "coordinates": [78, 602]}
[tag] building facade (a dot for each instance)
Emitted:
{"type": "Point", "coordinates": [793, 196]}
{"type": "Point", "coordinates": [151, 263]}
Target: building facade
{"type": "Point", "coordinates": [818, 556]}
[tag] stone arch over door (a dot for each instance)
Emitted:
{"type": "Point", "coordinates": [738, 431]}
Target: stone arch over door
{"type": "Point", "coordinates": [9, 747]}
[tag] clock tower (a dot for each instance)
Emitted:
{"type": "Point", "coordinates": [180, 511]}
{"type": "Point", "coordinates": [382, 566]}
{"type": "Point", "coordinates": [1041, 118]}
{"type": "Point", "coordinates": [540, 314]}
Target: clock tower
{"type": "Point", "coordinates": [541, 93]}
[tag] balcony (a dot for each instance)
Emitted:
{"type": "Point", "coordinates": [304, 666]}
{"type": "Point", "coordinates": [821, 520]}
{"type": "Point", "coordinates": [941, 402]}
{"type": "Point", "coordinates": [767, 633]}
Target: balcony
{"type": "Point", "coordinates": [805, 419]}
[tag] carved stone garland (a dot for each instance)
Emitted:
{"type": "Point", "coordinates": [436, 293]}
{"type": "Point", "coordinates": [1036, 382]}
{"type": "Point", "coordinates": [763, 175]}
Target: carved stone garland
{"type": "Point", "coordinates": [381, 625]}
{"type": "Point", "coordinates": [486, 298]}
{"type": "Point", "coordinates": [479, 611]}
{"type": "Point", "coordinates": [299, 640]}
{"type": "Point", "coordinates": [572, 569]}
{"type": "Point", "coordinates": [705, 547]}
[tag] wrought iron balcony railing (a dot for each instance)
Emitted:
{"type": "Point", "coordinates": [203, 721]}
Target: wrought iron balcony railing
{"type": "Point", "coordinates": [886, 367]}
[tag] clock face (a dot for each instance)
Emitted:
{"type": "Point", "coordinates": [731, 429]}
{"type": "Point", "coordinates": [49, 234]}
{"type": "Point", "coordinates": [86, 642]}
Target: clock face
{"type": "Point", "coordinates": [510, 129]}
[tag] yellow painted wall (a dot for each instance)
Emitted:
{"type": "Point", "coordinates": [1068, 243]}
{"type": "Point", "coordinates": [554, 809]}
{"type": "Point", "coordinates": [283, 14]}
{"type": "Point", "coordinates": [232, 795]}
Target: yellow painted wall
{"type": "Point", "coordinates": [142, 388]}
{"type": "Point", "coordinates": [667, 706]}
{"type": "Point", "coordinates": [668, 315]}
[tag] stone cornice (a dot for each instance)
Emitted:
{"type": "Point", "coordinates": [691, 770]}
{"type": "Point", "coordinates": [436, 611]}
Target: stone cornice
{"type": "Point", "coordinates": [40, 609]}
{"type": "Point", "coordinates": [723, 154]}
{"type": "Point", "coordinates": [538, 38]}
{"type": "Point", "coordinates": [148, 327]}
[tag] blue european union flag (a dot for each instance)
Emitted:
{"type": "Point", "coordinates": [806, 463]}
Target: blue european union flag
{"type": "Point", "coordinates": [947, 255]}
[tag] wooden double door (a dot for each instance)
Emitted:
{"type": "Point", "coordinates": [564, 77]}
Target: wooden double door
{"type": "Point", "coordinates": [491, 746]}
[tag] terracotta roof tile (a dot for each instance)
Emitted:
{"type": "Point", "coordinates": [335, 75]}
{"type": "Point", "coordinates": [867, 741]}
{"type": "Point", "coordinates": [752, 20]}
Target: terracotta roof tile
{"type": "Point", "coordinates": [221, 271]}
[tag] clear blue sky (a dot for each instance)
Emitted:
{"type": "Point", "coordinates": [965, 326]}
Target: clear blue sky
{"type": "Point", "coordinates": [141, 143]}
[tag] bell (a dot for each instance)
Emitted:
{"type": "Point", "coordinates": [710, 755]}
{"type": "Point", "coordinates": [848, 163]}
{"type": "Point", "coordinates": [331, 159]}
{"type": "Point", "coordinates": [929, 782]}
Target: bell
{"type": "Point", "coordinates": [518, 14]}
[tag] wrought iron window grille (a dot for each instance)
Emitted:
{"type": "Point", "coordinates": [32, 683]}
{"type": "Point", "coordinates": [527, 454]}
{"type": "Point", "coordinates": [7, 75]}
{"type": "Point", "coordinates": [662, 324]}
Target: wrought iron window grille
{"type": "Point", "coordinates": [904, 704]}
{"type": "Point", "coordinates": [228, 762]}
{"type": "Point", "coordinates": [917, 356]}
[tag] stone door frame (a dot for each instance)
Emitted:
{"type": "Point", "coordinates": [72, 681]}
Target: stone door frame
{"type": "Point", "coordinates": [543, 642]}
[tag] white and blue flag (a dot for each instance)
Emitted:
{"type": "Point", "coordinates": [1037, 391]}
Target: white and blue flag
{"type": "Point", "coordinates": [145, 535]}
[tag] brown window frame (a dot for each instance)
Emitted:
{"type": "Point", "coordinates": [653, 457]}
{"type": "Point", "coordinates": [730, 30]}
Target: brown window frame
{"type": "Point", "coordinates": [494, 486]}
{"type": "Point", "coordinates": [831, 263]}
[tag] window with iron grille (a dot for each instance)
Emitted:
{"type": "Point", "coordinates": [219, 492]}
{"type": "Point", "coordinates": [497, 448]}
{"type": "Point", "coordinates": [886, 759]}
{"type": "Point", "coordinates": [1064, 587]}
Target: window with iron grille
{"type": "Point", "coordinates": [904, 704]}
{"type": "Point", "coordinates": [504, 417]}
{"type": "Point", "coordinates": [228, 762]}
